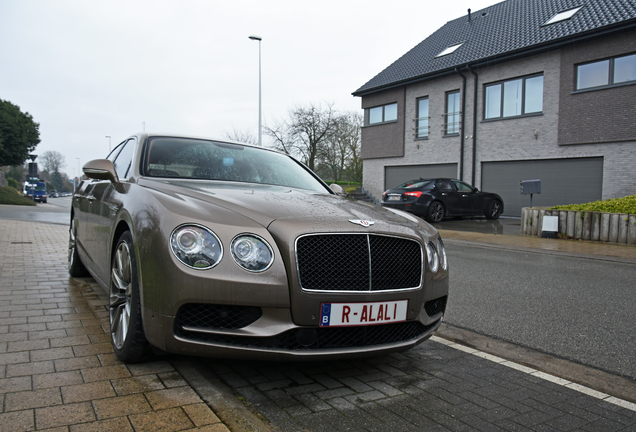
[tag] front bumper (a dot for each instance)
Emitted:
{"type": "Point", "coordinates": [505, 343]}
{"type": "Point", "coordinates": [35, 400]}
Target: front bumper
{"type": "Point", "coordinates": [274, 336]}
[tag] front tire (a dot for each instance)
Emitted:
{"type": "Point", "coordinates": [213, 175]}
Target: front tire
{"type": "Point", "coordinates": [494, 210]}
{"type": "Point", "coordinates": [126, 325]}
{"type": "Point", "coordinates": [435, 212]}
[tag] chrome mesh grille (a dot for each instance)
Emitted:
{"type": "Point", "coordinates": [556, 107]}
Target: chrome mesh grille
{"type": "Point", "coordinates": [358, 262]}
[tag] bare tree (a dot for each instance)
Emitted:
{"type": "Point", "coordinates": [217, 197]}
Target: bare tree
{"type": "Point", "coordinates": [241, 135]}
{"type": "Point", "coordinates": [52, 161]}
{"type": "Point", "coordinates": [342, 150]}
{"type": "Point", "coordinates": [305, 133]}
{"type": "Point", "coordinates": [282, 140]}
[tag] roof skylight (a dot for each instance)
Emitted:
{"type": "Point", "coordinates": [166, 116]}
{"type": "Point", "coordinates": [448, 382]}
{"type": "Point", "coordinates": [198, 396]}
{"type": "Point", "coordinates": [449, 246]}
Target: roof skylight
{"type": "Point", "coordinates": [561, 16]}
{"type": "Point", "coordinates": [449, 50]}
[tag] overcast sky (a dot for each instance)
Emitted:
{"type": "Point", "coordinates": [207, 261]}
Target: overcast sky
{"type": "Point", "coordinates": [87, 69]}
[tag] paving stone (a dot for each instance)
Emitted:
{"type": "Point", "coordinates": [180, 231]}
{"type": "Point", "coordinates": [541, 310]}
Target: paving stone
{"type": "Point", "coordinates": [64, 415]}
{"type": "Point", "coordinates": [172, 379]}
{"type": "Point", "coordinates": [120, 406]}
{"type": "Point", "coordinates": [105, 373]}
{"type": "Point", "coordinates": [119, 424]}
{"type": "Point", "coordinates": [17, 421]}
{"type": "Point", "coordinates": [150, 368]}
{"type": "Point", "coordinates": [159, 421]}
{"type": "Point", "coordinates": [140, 384]}
{"type": "Point", "coordinates": [201, 414]}
{"type": "Point", "coordinates": [51, 354]}
{"type": "Point", "coordinates": [32, 399]}
{"type": "Point", "coordinates": [56, 379]}
{"type": "Point", "coordinates": [76, 363]}
{"type": "Point", "coordinates": [162, 399]}
{"type": "Point", "coordinates": [33, 368]}
{"type": "Point", "coordinates": [87, 392]}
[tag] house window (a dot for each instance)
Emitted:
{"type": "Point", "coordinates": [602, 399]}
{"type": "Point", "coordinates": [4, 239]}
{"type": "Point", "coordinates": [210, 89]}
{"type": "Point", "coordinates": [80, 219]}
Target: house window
{"type": "Point", "coordinates": [421, 122]}
{"type": "Point", "coordinates": [452, 113]}
{"type": "Point", "coordinates": [382, 114]}
{"type": "Point", "coordinates": [514, 97]}
{"type": "Point", "coordinates": [607, 72]}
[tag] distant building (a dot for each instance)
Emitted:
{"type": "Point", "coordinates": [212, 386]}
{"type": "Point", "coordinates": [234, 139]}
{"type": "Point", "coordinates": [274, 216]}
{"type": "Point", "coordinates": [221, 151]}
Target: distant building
{"type": "Point", "coordinates": [524, 89]}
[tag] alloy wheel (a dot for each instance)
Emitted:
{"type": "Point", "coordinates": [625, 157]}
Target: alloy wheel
{"type": "Point", "coordinates": [437, 212]}
{"type": "Point", "coordinates": [71, 244]}
{"type": "Point", "coordinates": [120, 295]}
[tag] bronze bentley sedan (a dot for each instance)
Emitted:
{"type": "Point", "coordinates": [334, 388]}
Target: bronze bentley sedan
{"type": "Point", "coordinates": [223, 249]}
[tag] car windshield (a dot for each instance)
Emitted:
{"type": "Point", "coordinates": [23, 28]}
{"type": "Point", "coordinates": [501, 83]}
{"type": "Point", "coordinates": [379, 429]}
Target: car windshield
{"type": "Point", "coordinates": [414, 184]}
{"type": "Point", "coordinates": [188, 158]}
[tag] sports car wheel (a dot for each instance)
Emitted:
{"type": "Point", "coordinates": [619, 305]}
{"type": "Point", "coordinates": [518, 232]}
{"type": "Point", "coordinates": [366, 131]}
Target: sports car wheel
{"type": "Point", "coordinates": [126, 326]}
{"type": "Point", "coordinates": [435, 212]}
{"type": "Point", "coordinates": [494, 210]}
{"type": "Point", "coordinates": [75, 266]}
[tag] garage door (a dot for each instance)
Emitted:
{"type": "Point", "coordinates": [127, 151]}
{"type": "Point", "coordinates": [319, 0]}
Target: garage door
{"type": "Point", "coordinates": [396, 175]}
{"type": "Point", "coordinates": [563, 181]}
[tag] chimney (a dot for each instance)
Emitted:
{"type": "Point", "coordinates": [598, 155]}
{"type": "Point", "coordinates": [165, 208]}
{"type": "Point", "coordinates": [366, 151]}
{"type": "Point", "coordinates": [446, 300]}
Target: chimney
{"type": "Point", "coordinates": [468, 15]}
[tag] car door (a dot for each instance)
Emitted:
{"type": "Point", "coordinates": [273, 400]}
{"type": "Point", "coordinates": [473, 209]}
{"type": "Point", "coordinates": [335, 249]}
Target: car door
{"type": "Point", "coordinates": [106, 204]}
{"type": "Point", "coordinates": [447, 193]}
{"type": "Point", "coordinates": [468, 197]}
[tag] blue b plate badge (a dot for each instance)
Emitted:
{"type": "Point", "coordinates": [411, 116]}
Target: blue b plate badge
{"type": "Point", "coordinates": [361, 314]}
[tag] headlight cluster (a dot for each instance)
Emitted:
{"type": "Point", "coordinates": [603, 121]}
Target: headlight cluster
{"type": "Point", "coordinates": [196, 246]}
{"type": "Point", "coordinates": [436, 255]}
{"type": "Point", "coordinates": [199, 248]}
{"type": "Point", "coordinates": [251, 252]}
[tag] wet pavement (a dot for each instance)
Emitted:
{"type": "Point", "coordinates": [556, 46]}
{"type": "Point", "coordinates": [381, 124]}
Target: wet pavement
{"type": "Point", "coordinates": [58, 371]}
{"type": "Point", "coordinates": [509, 226]}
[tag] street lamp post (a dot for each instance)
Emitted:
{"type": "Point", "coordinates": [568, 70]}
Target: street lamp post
{"type": "Point", "coordinates": [260, 105]}
{"type": "Point", "coordinates": [108, 136]}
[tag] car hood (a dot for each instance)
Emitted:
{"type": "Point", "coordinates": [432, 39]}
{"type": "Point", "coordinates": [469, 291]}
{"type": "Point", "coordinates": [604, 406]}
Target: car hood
{"type": "Point", "coordinates": [314, 211]}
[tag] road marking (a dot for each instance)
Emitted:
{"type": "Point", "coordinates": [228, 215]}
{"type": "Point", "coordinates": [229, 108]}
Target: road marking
{"type": "Point", "coordinates": [548, 377]}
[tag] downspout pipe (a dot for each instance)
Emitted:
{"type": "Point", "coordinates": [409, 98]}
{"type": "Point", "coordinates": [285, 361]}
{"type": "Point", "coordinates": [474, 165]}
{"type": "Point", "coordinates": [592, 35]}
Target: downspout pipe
{"type": "Point", "coordinates": [463, 122]}
{"type": "Point", "coordinates": [475, 104]}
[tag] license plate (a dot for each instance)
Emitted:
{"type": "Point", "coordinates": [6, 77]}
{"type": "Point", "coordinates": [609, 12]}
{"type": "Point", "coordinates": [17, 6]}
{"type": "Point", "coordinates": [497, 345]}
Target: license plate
{"type": "Point", "coordinates": [395, 197]}
{"type": "Point", "coordinates": [361, 314]}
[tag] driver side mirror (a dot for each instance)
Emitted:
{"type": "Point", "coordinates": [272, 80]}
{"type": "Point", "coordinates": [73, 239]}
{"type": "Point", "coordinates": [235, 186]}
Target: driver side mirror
{"type": "Point", "coordinates": [339, 190]}
{"type": "Point", "coordinates": [100, 169]}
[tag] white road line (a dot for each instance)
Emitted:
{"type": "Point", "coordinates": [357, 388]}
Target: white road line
{"type": "Point", "coordinates": [546, 376]}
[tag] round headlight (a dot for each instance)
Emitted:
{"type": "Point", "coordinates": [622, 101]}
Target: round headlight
{"type": "Point", "coordinates": [251, 252]}
{"type": "Point", "coordinates": [443, 261]}
{"type": "Point", "coordinates": [432, 256]}
{"type": "Point", "coordinates": [196, 246]}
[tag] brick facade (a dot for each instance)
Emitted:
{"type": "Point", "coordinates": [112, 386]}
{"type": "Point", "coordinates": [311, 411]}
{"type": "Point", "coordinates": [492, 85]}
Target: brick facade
{"type": "Point", "coordinates": [534, 137]}
{"type": "Point", "coordinates": [596, 116]}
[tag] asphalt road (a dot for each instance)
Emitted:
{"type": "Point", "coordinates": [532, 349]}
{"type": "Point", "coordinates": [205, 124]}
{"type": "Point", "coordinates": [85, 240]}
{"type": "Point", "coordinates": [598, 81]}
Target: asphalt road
{"type": "Point", "coordinates": [56, 211]}
{"type": "Point", "coordinates": [577, 308]}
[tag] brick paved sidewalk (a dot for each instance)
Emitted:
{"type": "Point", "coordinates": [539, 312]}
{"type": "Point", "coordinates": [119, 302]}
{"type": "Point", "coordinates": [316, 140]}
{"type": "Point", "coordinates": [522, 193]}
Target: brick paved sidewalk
{"type": "Point", "coordinates": [57, 367]}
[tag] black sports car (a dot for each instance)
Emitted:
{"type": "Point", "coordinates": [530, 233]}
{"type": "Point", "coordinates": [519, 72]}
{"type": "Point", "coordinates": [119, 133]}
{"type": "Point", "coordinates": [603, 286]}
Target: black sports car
{"type": "Point", "coordinates": [435, 199]}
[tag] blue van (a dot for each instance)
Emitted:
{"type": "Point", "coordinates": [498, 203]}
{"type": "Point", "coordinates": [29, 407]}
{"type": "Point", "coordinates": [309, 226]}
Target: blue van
{"type": "Point", "coordinates": [35, 191]}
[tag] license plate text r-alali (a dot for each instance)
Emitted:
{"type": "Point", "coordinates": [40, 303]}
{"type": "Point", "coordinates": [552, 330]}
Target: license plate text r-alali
{"type": "Point", "coordinates": [360, 314]}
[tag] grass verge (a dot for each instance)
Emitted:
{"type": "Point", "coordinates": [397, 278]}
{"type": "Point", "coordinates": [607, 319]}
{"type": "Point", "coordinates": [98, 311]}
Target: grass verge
{"type": "Point", "coordinates": [8, 195]}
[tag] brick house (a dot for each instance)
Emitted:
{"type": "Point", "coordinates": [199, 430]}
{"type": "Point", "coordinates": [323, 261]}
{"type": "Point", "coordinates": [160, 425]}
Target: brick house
{"type": "Point", "coordinates": [524, 89]}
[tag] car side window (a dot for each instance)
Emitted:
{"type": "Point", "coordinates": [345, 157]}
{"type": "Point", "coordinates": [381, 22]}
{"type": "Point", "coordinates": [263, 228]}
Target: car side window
{"type": "Point", "coordinates": [445, 185]}
{"type": "Point", "coordinates": [462, 187]}
{"type": "Point", "coordinates": [124, 159]}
